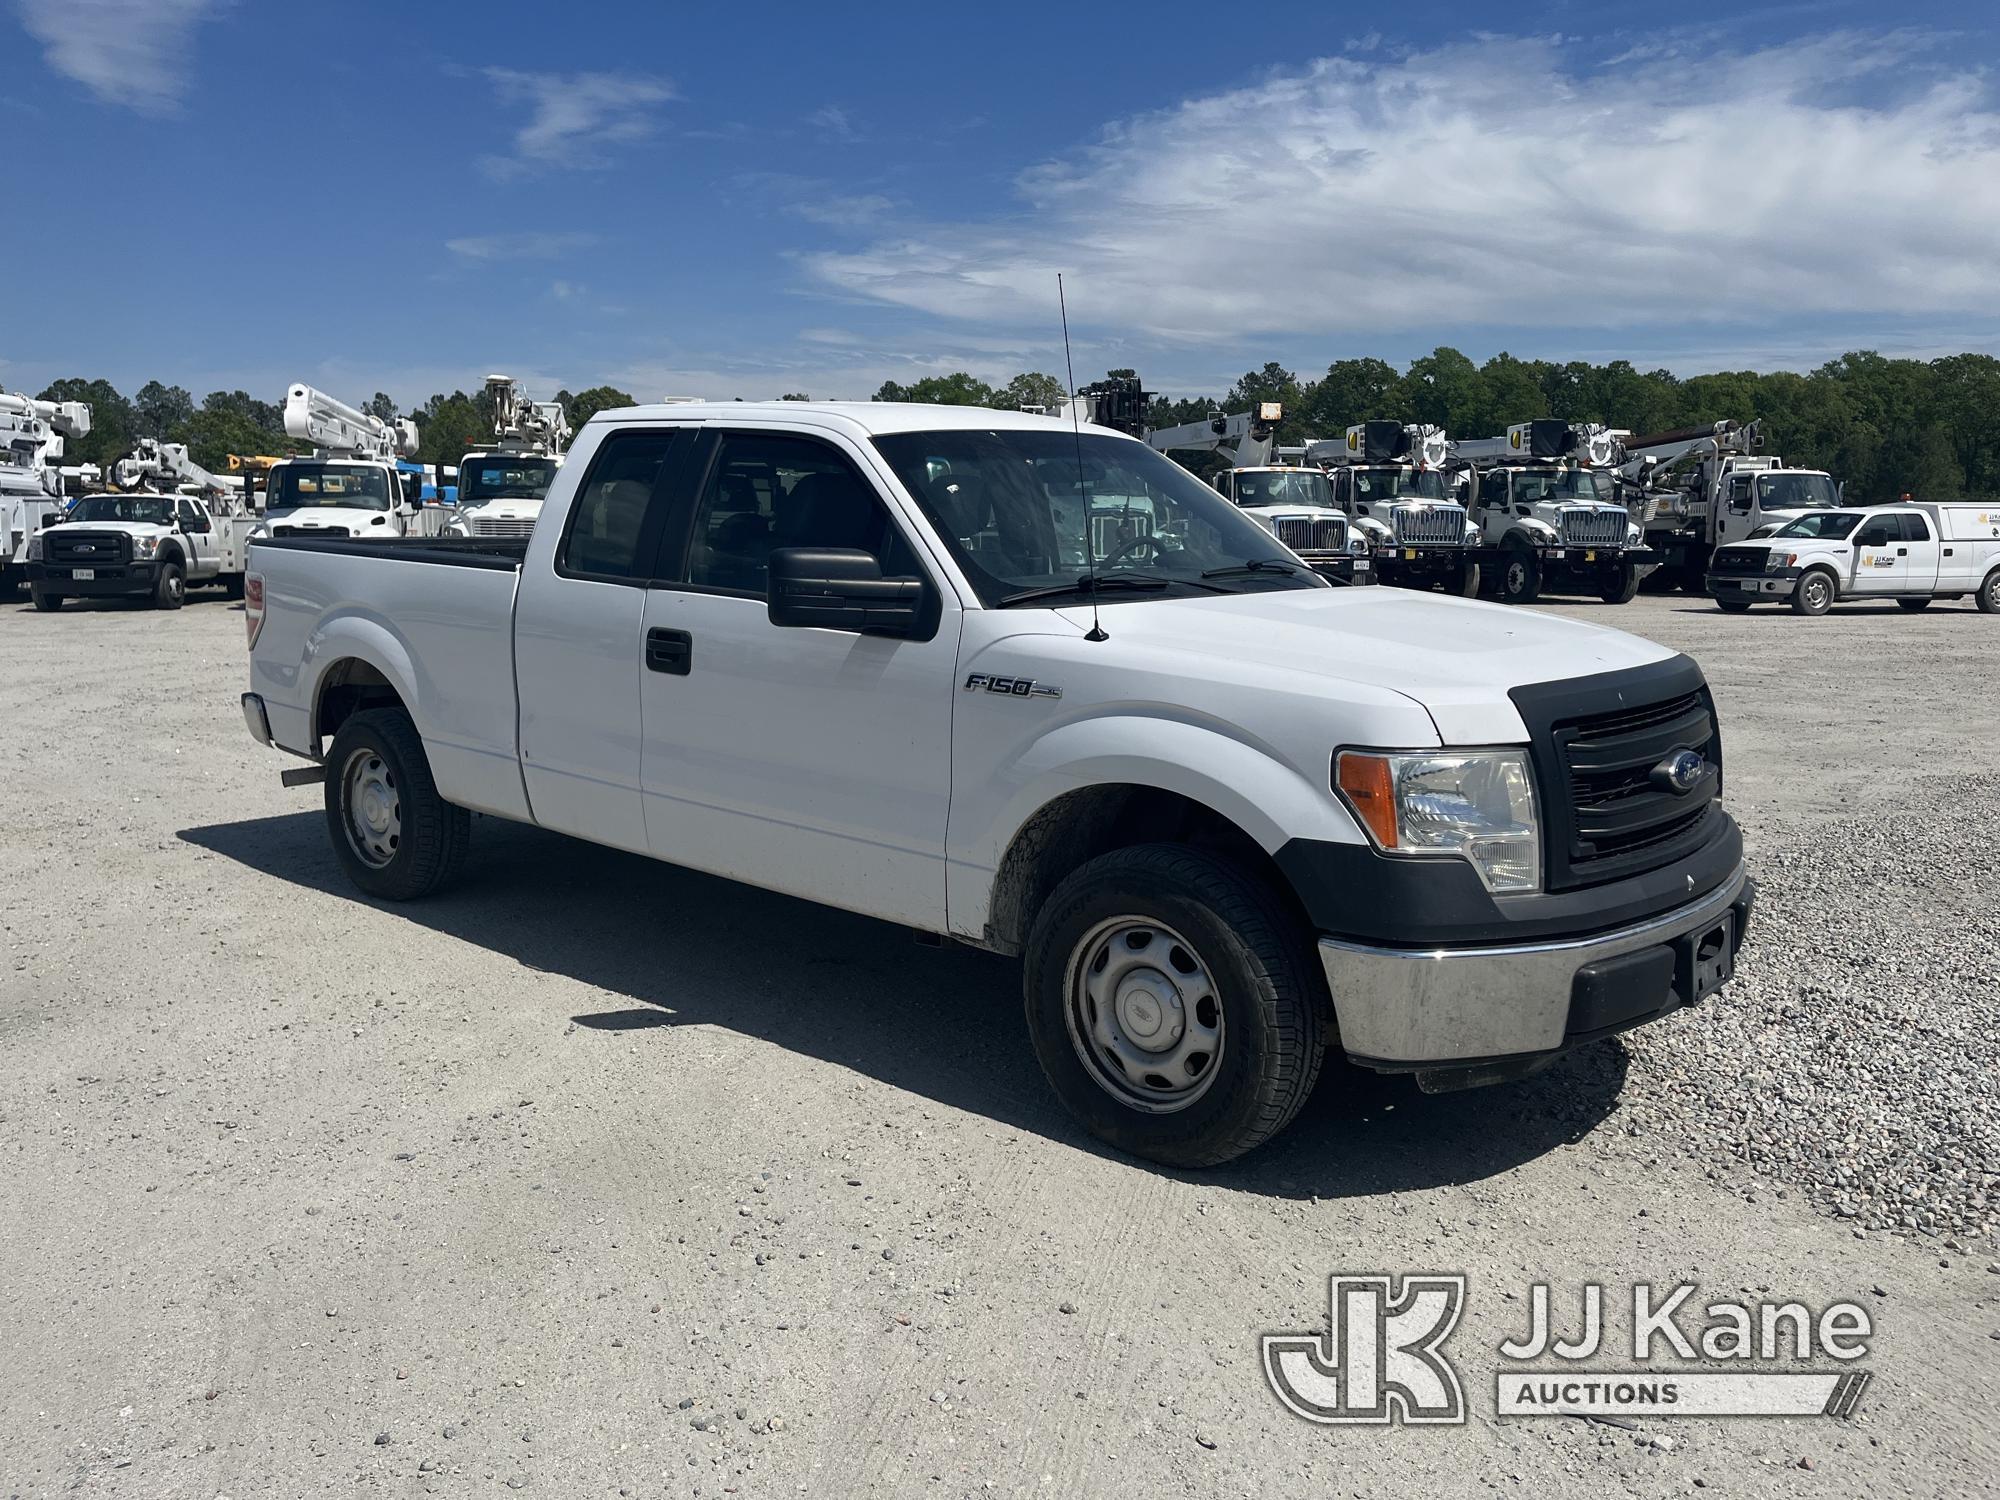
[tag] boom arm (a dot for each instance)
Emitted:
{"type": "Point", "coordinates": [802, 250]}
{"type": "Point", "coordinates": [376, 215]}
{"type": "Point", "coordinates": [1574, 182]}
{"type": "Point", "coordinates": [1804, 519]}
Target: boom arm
{"type": "Point", "coordinates": [1659, 452]}
{"type": "Point", "coordinates": [169, 463]}
{"type": "Point", "coordinates": [1245, 439]}
{"type": "Point", "coordinates": [338, 430]}
{"type": "Point", "coordinates": [32, 433]}
{"type": "Point", "coordinates": [540, 428]}
{"type": "Point", "coordinates": [1546, 439]}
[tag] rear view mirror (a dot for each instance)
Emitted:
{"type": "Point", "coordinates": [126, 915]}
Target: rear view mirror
{"type": "Point", "coordinates": [841, 588]}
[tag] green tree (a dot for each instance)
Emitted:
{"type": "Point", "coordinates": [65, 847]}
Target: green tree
{"type": "Point", "coordinates": [1353, 390]}
{"type": "Point", "coordinates": [113, 424]}
{"type": "Point", "coordinates": [955, 389]}
{"type": "Point", "coordinates": [233, 422]}
{"type": "Point", "coordinates": [161, 411]}
{"type": "Point", "coordinates": [795, 396]}
{"type": "Point", "coordinates": [586, 404]}
{"type": "Point", "coordinates": [1031, 388]}
{"type": "Point", "coordinates": [1444, 387]}
{"type": "Point", "coordinates": [381, 405]}
{"type": "Point", "coordinates": [449, 427]}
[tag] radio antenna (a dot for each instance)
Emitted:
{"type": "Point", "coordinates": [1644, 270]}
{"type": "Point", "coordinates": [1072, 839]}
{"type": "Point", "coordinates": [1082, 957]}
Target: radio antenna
{"type": "Point", "coordinates": [1096, 631]}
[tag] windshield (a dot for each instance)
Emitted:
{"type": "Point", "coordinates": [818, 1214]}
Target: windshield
{"type": "Point", "coordinates": [153, 510]}
{"type": "Point", "coordinates": [1834, 524]}
{"type": "Point", "coordinates": [1796, 492]}
{"type": "Point", "coordinates": [509, 478]}
{"type": "Point", "coordinates": [1009, 505]}
{"type": "Point", "coordinates": [1395, 484]}
{"type": "Point", "coordinates": [1531, 485]}
{"type": "Point", "coordinates": [303, 486]}
{"type": "Point", "coordinates": [1283, 487]}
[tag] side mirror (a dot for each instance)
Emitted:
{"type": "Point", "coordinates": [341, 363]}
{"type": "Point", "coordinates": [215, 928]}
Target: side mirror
{"type": "Point", "coordinates": [841, 588]}
{"type": "Point", "coordinates": [407, 508]}
{"type": "Point", "coordinates": [1872, 538]}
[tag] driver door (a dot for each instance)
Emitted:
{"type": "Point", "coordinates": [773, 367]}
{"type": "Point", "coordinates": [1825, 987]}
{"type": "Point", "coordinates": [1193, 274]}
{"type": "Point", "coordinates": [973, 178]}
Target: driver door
{"type": "Point", "coordinates": [1881, 556]}
{"type": "Point", "coordinates": [195, 525]}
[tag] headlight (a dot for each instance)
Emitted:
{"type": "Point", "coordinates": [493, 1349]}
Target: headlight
{"type": "Point", "coordinates": [1773, 561]}
{"type": "Point", "coordinates": [34, 547]}
{"type": "Point", "coordinates": [1476, 804]}
{"type": "Point", "coordinates": [1358, 545]}
{"type": "Point", "coordinates": [145, 546]}
{"type": "Point", "coordinates": [1472, 536]}
{"type": "Point", "coordinates": [1634, 537]}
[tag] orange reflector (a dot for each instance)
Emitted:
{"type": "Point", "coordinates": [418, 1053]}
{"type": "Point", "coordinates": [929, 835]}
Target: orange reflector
{"type": "Point", "coordinates": [1370, 789]}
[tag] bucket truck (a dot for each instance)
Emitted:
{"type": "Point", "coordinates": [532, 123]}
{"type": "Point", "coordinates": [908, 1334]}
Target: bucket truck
{"type": "Point", "coordinates": [1547, 521]}
{"type": "Point", "coordinates": [501, 485]}
{"type": "Point", "coordinates": [1393, 483]}
{"type": "Point", "coordinates": [32, 433]}
{"type": "Point", "coordinates": [1294, 503]}
{"type": "Point", "coordinates": [174, 526]}
{"type": "Point", "coordinates": [351, 485]}
{"type": "Point", "coordinates": [1708, 486]}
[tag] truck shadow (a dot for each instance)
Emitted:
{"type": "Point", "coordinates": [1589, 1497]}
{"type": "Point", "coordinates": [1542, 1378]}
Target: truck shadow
{"type": "Point", "coordinates": [672, 948]}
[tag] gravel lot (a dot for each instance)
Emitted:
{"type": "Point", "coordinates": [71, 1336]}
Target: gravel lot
{"type": "Point", "coordinates": [597, 1177]}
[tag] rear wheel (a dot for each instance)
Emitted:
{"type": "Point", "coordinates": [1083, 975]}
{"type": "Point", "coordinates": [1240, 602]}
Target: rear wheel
{"type": "Point", "coordinates": [1174, 1004]}
{"type": "Point", "coordinates": [392, 832]}
{"type": "Point", "coordinates": [1733, 606]}
{"type": "Point", "coordinates": [170, 588]}
{"type": "Point", "coordinates": [45, 601]}
{"type": "Point", "coordinates": [1621, 587]}
{"type": "Point", "coordinates": [1520, 575]}
{"type": "Point", "coordinates": [1814, 595]}
{"type": "Point", "coordinates": [232, 585]}
{"type": "Point", "coordinates": [1988, 597]}
{"type": "Point", "coordinates": [1913, 605]}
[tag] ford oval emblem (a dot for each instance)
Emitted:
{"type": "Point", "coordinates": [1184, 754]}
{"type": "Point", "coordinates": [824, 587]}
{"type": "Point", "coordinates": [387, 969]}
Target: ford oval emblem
{"type": "Point", "coordinates": [86, 547]}
{"type": "Point", "coordinates": [1680, 772]}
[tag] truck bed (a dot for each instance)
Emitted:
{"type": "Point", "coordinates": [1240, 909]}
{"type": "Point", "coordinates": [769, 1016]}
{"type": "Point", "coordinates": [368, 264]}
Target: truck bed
{"type": "Point", "coordinates": [443, 551]}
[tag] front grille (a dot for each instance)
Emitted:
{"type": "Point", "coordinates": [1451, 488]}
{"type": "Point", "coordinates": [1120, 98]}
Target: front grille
{"type": "Point", "coordinates": [1739, 560]}
{"type": "Point", "coordinates": [498, 526]}
{"type": "Point", "coordinates": [1429, 525]}
{"type": "Point", "coordinates": [1311, 533]}
{"type": "Point", "coordinates": [310, 531]}
{"type": "Point", "coordinates": [85, 549]}
{"type": "Point", "coordinates": [1593, 528]}
{"type": "Point", "coordinates": [1606, 818]}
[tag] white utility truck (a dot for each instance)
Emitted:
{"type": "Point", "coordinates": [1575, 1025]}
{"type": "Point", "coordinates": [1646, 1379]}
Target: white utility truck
{"type": "Point", "coordinates": [1548, 520]}
{"type": "Point", "coordinates": [1910, 553]}
{"type": "Point", "coordinates": [1391, 480]}
{"type": "Point", "coordinates": [31, 481]}
{"type": "Point", "coordinates": [351, 485]}
{"type": "Point", "coordinates": [1709, 486]}
{"type": "Point", "coordinates": [136, 545]}
{"type": "Point", "coordinates": [1292, 502]}
{"type": "Point", "coordinates": [1228, 814]}
{"type": "Point", "coordinates": [501, 486]}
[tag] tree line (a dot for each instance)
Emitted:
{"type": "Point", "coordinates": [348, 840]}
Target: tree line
{"type": "Point", "coordinates": [1887, 427]}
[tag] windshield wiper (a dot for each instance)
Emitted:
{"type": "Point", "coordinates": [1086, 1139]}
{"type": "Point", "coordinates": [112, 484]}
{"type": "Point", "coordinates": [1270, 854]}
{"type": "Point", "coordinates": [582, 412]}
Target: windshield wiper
{"type": "Point", "coordinates": [1254, 565]}
{"type": "Point", "coordinates": [1119, 578]}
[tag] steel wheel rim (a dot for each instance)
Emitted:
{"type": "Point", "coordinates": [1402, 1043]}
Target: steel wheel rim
{"type": "Point", "coordinates": [173, 585]}
{"type": "Point", "coordinates": [373, 808]}
{"type": "Point", "coordinates": [1816, 592]}
{"type": "Point", "coordinates": [1144, 1014]}
{"type": "Point", "coordinates": [1517, 576]}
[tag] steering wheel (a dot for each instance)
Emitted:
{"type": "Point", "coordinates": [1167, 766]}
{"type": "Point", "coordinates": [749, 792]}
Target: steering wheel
{"type": "Point", "coordinates": [1132, 544]}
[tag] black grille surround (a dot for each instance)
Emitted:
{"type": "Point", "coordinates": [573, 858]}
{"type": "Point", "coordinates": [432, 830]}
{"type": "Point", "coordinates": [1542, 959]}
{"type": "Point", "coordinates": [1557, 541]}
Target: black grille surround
{"type": "Point", "coordinates": [1595, 742]}
{"type": "Point", "coordinates": [1738, 560]}
{"type": "Point", "coordinates": [328, 531]}
{"type": "Point", "coordinates": [88, 549]}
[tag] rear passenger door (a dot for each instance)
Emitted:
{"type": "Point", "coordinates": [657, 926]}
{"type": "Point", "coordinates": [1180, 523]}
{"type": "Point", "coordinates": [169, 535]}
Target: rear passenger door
{"type": "Point", "coordinates": [578, 637]}
{"type": "Point", "coordinates": [812, 761]}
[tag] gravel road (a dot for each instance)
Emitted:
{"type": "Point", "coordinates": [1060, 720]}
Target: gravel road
{"type": "Point", "coordinates": [596, 1177]}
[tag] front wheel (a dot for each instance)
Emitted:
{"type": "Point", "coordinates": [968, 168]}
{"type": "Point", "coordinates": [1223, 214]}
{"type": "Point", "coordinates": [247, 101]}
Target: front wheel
{"type": "Point", "coordinates": [392, 832]}
{"type": "Point", "coordinates": [1177, 1010]}
{"type": "Point", "coordinates": [1732, 606]}
{"type": "Point", "coordinates": [45, 601]}
{"type": "Point", "coordinates": [170, 588]}
{"type": "Point", "coordinates": [1814, 595]}
{"type": "Point", "coordinates": [1468, 581]}
{"type": "Point", "coordinates": [1621, 587]}
{"type": "Point", "coordinates": [1520, 576]}
{"type": "Point", "coordinates": [1988, 597]}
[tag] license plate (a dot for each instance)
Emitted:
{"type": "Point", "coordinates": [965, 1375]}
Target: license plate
{"type": "Point", "coordinates": [1409, 554]}
{"type": "Point", "coordinates": [86, 574]}
{"type": "Point", "coordinates": [1361, 565]}
{"type": "Point", "coordinates": [1747, 583]}
{"type": "Point", "coordinates": [1590, 557]}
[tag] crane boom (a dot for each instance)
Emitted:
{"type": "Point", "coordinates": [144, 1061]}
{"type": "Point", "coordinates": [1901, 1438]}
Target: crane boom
{"type": "Point", "coordinates": [157, 462]}
{"type": "Point", "coordinates": [338, 430]}
{"type": "Point", "coordinates": [32, 432]}
{"type": "Point", "coordinates": [1244, 439]}
{"type": "Point", "coordinates": [1544, 440]}
{"type": "Point", "coordinates": [540, 428]}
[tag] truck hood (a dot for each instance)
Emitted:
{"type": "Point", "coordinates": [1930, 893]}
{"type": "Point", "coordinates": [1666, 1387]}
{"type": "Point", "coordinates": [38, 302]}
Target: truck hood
{"type": "Point", "coordinates": [1455, 657]}
{"type": "Point", "coordinates": [511, 508]}
{"type": "Point", "coordinates": [133, 529]}
{"type": "Point", "coordinates": [320, 517]}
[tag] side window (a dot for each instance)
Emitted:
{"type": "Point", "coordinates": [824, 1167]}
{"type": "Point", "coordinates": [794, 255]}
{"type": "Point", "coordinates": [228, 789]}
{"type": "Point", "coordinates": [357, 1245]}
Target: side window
{"type": "Point", "coordinates": [605, 535]}
{"type": "Point", "coordinates": [767, 490]}
{"type": "Point", "coordinates": [1739, 495]}
{"type": "Point", "coordinates": [1915, 528]}
{"type": "Point", "coordinates": [1493, 489]}
{"type": "Point", "coordinates": [190, 517]}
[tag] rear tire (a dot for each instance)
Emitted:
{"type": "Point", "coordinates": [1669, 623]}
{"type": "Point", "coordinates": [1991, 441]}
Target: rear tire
{"type": "Point", "coordinates": [1175, 1005]}
{"type": "Point", "coordinates": [1913, 605]}
{"type": "Point", "coordinates": [1733, 606]}
{"type": "Point", "coordinates": [392, 833]}
{"type": "Point", "coordinates": [1814, 595]}
{"type": "Point", "coordinates": [1988, 597]}
{"type": "Point", "coordinates": [1520, 575]}
{"type": "Point", "coordinates": [170, 588]}
{"type": "Point", "coordinates": [1621, 587]}
{"type": "Point", "coordinates": [45, 601]}
{"type": "Point", "coordinates": [232, 585]}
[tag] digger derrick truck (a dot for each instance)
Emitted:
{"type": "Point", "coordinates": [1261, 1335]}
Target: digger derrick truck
{"type": "Point", "coordinates": [1547, 520]}
{"type": "Point", "coordinates": [1292, 502]}
{"type": "Point", "coordinates": [1706, 487]}
{"type": "Point", "coordinates": [350, 486]}
{"type": "Point", "coordinates": [1393, 482]}
{"type": "Point", "coordinates": [32, 433]}
{"type": "Point", "coordinates": [501, 485]}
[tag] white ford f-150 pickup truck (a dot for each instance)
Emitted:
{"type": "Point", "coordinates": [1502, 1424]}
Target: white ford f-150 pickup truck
{"type": "Point", "coordinates": [872, 655]}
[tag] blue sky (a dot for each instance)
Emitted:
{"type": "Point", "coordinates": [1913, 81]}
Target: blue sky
{"type": "Point", "coordinates": [739, 200]}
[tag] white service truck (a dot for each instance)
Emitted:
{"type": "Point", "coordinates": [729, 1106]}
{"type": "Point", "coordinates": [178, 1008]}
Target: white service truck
{"type": "Point", "coordinates": [138, 546]}
{"type": "Point", "coordinates": [1391, 480]}
{"type": "Point", "coordinates": [1548, 518]}
{"type": "Point", "coordinates": [1227, 814]}
{"type": "Point", "coordinates": [501, 486]}
{"type": "Point", "coordinates": [1910, 553]}
{"type": "Point", "coordinates": [351, 485]}
{"type": "Point", "coordinates": [32, 484]}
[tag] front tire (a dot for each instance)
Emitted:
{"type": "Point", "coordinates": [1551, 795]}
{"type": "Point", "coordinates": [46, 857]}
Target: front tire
{"type": "Point", "coordinates": [170, 587]}
{"type": "Point", "coordinates": [1468, 581]}
{"type": "Point", "coordinates": [45, 601]}
{"type": "Point", "coordinates": [1732, 606]}
{"type": "Point", "coordinates": [1621, 587]}
{"type": "Point", "coordinates": [392, 833]}
{"type": "Point", "coordinates": [1988, 597]}
{"type": "Point", "coordinates": [1175, 1006]}
{"type": "Point", "coordinates": [1520, 575]}
{"type": "Point", "coordinates": [1814, 595]}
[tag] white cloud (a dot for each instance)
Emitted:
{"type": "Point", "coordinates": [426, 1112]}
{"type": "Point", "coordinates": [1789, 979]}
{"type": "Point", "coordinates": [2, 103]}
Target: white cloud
{"type": "Point", "coordinates": [1503, 183]}
{"type": "Point", "coordinates": [547, 246]}
{"type": "Point", "coordinates": [858, 211]}
{"type": "Point", "coordinates": [831, 120]}
{"type": "Point", "coordinates": [574, 117]}
{"type": "Point", "coordinates": [129, 52]}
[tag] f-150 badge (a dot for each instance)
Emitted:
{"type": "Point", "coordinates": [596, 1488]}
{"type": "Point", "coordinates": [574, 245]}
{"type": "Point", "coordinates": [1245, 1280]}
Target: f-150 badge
{"type": "Point", "coordinates": [1012, 687]}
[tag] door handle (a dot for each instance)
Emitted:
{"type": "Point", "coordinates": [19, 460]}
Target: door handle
{"type": "Point", "coordinates": [1902, 552]}
{"type": "Point", "coordinates": [669, 651]}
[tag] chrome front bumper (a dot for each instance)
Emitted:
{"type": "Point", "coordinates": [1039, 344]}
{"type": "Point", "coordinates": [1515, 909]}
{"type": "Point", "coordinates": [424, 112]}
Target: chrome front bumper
{"type": "Point", "coordinates": [1404, 1009]}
